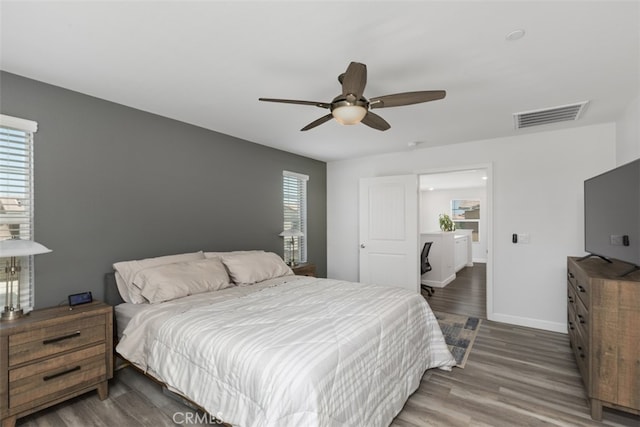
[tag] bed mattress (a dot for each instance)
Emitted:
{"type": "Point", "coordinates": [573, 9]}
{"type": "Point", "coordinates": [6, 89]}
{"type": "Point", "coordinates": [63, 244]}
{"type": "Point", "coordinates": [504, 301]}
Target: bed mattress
{"type": "Point", "coordinates": [124, 313]}
{"type": "Point", "coordinates": [291, 351]}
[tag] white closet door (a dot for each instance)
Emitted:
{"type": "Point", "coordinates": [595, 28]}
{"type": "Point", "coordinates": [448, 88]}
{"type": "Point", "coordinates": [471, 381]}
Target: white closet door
{"type": "Point", "coordinates": [389, 231]}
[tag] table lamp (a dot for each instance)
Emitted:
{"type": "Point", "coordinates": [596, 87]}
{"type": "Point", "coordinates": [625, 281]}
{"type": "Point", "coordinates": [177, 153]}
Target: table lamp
{"type": "Point", "coordinates": [13, 248]}
{"type": "Point", "coordinates": [293, 234]}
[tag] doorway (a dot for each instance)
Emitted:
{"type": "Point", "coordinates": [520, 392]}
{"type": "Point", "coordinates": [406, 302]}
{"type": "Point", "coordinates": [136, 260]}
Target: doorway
{"type": "Point", "coordinates": [465, 196]}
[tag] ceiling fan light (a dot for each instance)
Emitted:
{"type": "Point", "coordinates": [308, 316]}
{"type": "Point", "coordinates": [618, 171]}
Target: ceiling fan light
{"type": "Point", "coordinates": [349, 114]}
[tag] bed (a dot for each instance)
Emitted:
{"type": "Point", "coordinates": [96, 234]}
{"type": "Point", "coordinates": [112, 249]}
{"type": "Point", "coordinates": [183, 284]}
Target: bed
{"type": "Point", "coordinates": [253, 345]}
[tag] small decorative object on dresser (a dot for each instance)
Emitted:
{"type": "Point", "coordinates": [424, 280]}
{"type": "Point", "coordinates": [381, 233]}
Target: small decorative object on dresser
{"type": "Point", "coordinates": [53, 355]}
{"type": "Point", "coordinates": [305, 269]}
{"type": "Point", "coordinates": [604, 332]}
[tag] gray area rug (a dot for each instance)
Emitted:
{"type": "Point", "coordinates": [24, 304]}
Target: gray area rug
{"type": "Point", "coordinates": [459, 333]}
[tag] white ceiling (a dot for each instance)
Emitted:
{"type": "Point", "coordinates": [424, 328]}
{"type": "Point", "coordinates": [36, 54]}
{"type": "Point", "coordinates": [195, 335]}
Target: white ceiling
{"type": "Point", "coordinates": [207, 62]}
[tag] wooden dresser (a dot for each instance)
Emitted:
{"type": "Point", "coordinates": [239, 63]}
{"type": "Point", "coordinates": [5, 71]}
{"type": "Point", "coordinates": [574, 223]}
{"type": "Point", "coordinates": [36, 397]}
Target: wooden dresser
{"type": "Point", "coordinates": [52, 355]}
{"type": "Point", "coordinates": [604, 332]}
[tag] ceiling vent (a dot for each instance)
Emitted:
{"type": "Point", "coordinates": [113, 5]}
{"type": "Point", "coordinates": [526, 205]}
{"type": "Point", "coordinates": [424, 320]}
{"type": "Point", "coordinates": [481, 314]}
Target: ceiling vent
{"type": "Point", "coordinates": [546, 116]}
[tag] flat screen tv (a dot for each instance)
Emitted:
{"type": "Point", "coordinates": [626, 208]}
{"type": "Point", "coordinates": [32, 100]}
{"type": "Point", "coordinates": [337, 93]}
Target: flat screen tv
{"type": "Point", "coordinates": [612, 214]}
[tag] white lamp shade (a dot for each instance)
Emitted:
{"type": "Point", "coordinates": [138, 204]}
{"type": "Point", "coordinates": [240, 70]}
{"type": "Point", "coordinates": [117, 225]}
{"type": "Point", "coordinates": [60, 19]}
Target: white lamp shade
{"type": "Point", "coordinates": [19, 247]}
{"type": "Point", "coordinates": [349, 114]}
{"type": "Point", "coordinates": [292, 233]}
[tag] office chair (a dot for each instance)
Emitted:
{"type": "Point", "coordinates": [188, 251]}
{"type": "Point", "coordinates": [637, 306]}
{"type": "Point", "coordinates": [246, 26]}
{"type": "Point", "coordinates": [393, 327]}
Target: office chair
{"type": "Point", "coordinates": [425, 266]}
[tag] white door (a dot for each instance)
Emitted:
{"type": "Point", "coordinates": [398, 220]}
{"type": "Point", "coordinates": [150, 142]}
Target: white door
{"type": "Point", "coordinates": [389, 235]}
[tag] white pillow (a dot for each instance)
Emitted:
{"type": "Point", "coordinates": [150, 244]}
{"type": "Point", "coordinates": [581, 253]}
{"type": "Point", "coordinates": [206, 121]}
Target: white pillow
{"type": "Point", "coordinates": [253, 267]}
{"type": "Point", "coordinates": [221, 254]}
{"type": "Point", "coordinates": [170, 281]}
{"type": "Point", "coordinates": [127, 270]}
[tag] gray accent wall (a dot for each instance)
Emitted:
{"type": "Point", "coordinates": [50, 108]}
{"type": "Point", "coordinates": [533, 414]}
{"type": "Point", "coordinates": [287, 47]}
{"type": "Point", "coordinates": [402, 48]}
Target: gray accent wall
{"type": "Point", "coordinates": [113, 183]}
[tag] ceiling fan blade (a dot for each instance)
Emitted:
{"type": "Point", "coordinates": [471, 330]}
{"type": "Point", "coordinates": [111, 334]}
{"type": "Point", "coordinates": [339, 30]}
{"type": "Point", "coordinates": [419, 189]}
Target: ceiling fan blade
{"type": "Point", "coordinates": [375, 121]}
{"type": "Point", "coordinates": [354, 80]}
{"type": "Point", "coordinates": [318, 122]}
{"type": "Point", "coordinates": [406, 98]}
{"type": "Point", "coordinates": [294, 101]}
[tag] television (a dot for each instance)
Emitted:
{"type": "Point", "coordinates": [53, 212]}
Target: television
{"type": "Point", "coordinates": [612, 214]}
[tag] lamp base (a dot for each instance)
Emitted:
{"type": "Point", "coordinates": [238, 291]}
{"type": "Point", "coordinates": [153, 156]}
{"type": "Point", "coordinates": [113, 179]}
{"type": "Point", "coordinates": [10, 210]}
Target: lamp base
{"type": "Point", "coordinates": [12, 314]}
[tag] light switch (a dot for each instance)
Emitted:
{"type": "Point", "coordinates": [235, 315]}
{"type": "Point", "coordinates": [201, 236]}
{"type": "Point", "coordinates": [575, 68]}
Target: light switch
{"type": "Point", "coordinates": [523, 238]}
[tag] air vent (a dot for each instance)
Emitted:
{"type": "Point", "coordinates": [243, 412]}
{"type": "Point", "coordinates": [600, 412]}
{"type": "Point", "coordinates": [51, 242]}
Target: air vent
{"type": "Point", "coordinates": [546, 116]}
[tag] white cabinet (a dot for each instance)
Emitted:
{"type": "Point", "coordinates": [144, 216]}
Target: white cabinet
{"type": "Point", "coordinates": [450, 252]}
{"type": "Point", "coordinates": [461, 252]}
{"type": "Point", "coordinates": [441, 258]}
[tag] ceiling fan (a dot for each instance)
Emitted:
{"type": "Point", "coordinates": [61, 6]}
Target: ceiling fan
{"type": "Point", "coordinates": [351, 107]}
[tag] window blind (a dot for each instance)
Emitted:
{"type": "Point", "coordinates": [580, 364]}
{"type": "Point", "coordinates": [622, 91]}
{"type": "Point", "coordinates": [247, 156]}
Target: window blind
{"type": "Point", "coordinates": [16, 195]}
{"type": "Point", "coordinates": [294, 190]}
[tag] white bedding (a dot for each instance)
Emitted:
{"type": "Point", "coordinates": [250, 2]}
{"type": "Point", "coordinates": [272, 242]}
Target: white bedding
{"type": "Point", "coordinates": [124, 313]}
{"type": "Point", "coordinates": [291, 351]}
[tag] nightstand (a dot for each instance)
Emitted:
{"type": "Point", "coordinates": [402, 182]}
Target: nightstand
{"type": "Point", "coordinates": [52, 355]}
{"type": "Point", "coordinates": [304, 269]}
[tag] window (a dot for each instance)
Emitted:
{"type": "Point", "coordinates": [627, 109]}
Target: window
{"type": "Point", "coordinates": [294, 192]}
{"type": "Point", "coordinates": [466, 216]}
{"type": "Point", "coordinates": [16, 195]}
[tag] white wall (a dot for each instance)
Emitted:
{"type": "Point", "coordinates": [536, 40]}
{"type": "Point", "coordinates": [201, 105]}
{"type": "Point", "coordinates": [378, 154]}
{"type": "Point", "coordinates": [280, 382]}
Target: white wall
{"type": "Point", "coordinates": [537, 189]}
{"type": "Point", "coordinates": [433, 203]}
{"type": "Point", "coordinates": [628, 134]}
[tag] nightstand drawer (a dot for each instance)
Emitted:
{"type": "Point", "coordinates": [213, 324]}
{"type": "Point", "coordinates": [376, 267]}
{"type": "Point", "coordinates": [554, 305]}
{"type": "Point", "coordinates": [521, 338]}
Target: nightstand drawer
{"type": "Point", "coordinates": [35, 344]}
{"type": "Point", "coordinates": [37, 382]}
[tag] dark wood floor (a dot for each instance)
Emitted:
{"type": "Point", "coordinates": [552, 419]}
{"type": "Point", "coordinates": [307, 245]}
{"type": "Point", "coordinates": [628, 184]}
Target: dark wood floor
{"type": "Point", "coordinates": [514, 376]}
{"type": "Point", "coordinates": [465, 295]}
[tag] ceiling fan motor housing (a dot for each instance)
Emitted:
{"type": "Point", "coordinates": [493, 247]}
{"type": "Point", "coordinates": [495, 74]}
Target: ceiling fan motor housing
{"type": "Point", "coordinates": [348, 112]}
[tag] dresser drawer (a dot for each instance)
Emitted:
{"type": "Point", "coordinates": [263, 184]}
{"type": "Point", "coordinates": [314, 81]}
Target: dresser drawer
{"type": "Point", "coordinates": [572, 298]}
{"type": "Point", "coordinates": [579, 335]}
{"type": "Point", "coordinates": [571, 322]}
{"type": "Point", "coordinates": [49, 341]}
{"type": "Point", "coordinates": [581, 351]}
{"type": "Point", "coordinates": [580, 283]}
{"type": "Point", "coordinates": [581, 319]}
{"type": "Point", "coordinates": [37, 382]}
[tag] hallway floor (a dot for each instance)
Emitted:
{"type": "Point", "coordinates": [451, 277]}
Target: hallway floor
{"type": "Point", "coordinates": [466, 295]}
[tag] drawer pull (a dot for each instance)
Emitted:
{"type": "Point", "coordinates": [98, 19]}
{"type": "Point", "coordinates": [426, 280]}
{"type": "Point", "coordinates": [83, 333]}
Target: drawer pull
{"type": "Point", "coordinates": [571, 325]}
{"type": "Point", "coordinates": [581, 318]}
{"type": "Point", "coordinates": [571, 299]}
{"type": "Point", "coordinates": [571, 275]}
{"type": "Point", "coordinates": [581, 289]}
{"type": "Point", "coordinates": [59, 374]}
{"type": "Point", "coordinates": [62, 338]}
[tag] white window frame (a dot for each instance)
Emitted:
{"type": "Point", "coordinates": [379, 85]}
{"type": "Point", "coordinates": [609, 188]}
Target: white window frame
{"type": "Point", "coordinates": [16, 183]}
{"type": "Point", "coordinates": [294, 195]}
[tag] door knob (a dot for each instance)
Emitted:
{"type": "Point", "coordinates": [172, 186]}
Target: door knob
{"type": "Point", "coordinates": [362, 245]}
